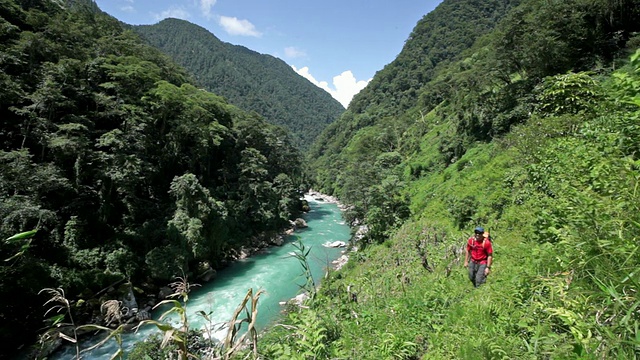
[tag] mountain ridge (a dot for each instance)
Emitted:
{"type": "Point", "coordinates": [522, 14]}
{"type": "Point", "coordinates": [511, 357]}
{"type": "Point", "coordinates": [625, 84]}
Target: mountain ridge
{"type": "Point", "coordinates": [248, 79]}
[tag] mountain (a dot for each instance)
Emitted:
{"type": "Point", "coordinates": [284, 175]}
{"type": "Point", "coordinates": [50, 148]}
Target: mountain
{"type": "Point", "coordinates": [249, 80]}
{"type": "Point", "coordinates": [438, 39]}
{"type": "Point", "coordinates": [519, 116]}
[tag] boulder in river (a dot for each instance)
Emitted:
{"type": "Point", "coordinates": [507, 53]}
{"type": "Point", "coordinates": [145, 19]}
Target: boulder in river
{"type": "Point", "coordinates": [300, 223]}
{"type": "Point", "coordinates": [335, 244]}
{"type": "Point", "coordinates": [205, 271]}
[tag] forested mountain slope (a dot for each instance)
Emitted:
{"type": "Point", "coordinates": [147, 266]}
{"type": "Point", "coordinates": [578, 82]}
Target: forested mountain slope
{"type": "Point", "coordinates": [247, 79]}
{"type": "Point", "coordinates": [437, 40]}
{"type": "Point", "coordinates": [128, 171]}
{"type": "Point", "coordinates": [531, 130]}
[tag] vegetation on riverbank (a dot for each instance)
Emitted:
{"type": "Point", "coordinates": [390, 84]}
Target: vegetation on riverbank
{"type": "Point", "coordinates": [128, 171]}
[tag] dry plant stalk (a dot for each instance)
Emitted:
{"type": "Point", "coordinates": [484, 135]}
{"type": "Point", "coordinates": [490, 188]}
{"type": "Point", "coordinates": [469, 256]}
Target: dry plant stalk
{"type": "Point", "coordinates": [59, 303]}
{"type": "Point", "coordinates": [181, 288]}
{"type": "Point", "coordinates": [112, 310]}
{"type": "Point", "coordinates": [230, 343]}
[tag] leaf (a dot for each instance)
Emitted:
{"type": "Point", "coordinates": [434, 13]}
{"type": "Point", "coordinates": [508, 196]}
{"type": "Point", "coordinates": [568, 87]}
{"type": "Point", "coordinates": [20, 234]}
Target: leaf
{"type": "Point", "coordinates": [168, 335]}
{"type": "Point", "coordinates": [636, 56]}
{"type": "Point", "coordinates": [22, 235]}
{"type": "Point", "coordinates": [55, 320]}
{"type": "Point", "coordinates": [204, 315]}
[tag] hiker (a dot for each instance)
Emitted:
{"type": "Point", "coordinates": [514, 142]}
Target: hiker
{"type": "Point", "coordinates": [480, 252]}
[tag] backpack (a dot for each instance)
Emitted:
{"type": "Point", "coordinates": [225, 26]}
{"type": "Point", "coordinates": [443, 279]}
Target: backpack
{"type": "Point", "coordinates": [483, 242]}
{"type": "Point", "coordinates": [487, 236]}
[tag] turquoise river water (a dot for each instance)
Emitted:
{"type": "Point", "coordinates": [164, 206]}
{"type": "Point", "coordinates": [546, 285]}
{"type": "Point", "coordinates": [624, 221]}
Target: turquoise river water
{"type": "Point", "coordinates": [275, 271]}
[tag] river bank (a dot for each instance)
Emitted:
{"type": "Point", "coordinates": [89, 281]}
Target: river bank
{"type": "Point", "coordinates": [271, 269]}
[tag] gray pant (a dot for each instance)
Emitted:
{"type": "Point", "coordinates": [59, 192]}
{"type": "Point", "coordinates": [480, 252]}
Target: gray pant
{"type": "Point", "coordinates": [476, 273]}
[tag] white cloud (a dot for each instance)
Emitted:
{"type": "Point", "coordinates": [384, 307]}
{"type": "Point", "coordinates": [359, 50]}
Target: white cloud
{"type": "Point", "coordinates": [346, 85]}
{"type": "Point", "coordinates": [292, 52]}
{"type": "Point", "coordinates": [172, 12]}
{"type": "Point", "coordinates": [128, 8]}
{"type": "Point", "coordinates": [234, 26]}
{"type": "Point", "coordinates": [205, 6]}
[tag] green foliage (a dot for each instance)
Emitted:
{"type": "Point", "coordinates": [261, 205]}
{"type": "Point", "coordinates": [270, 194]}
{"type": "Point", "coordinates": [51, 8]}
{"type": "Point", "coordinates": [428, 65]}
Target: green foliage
{"type": "Point", "coordinates": [252, 81]}
{"type": "Point", "coordinates": [387, 209]}
{"type": "Point", "coordinates": [301, 255]}
{"type": "Point", "coordinates": [463, 211]}
{"type": "Point", "coordinates": [178, 337]}
{"type": "Point", "coordinates": [127, 168]}
{"type": "Point", "coordinates": [541, 150]}
{"type": "Point", "coordinates": [16, 239]}
{"type": "Point", "coordinates": [196, 216]}
{"type": "Point", "coordinates": [387, 106]}
{"type": "Point", "coordinates": [569, 94]}
{"type": "Point", "coordinates": [500, 113]}
{"type": "Point", "coordinates": [391, 348]}
{"type": "Point", "coordinates": [307, 338]}
{"type": "Point", "coordinates": [61, 306]}
{"type": "Point", "coordinates": [560, 197]}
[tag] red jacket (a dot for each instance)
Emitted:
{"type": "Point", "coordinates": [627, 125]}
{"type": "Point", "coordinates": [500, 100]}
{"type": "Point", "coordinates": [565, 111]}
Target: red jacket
{"type": "Point", "coordinates": [480, 250]}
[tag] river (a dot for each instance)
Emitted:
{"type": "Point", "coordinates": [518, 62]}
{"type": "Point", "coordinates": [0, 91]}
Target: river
{"type": "Point", "coordinates": [275, 271]}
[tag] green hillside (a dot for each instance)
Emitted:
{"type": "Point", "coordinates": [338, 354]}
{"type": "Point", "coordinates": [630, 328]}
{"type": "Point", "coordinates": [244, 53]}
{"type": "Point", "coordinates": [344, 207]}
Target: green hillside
{"type": "Point", "coordinates": [247, 79]}
{"type": "Point", "coordinates": [519, 116]}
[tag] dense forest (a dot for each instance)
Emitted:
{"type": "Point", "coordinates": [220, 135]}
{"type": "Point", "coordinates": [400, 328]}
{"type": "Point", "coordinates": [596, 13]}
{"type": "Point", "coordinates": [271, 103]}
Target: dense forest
{"type": "Point", "coordinates": [247, 79]}
{"type": "Point", "coordinates": [126, 169]}
{"type": "Point", "coordinates": [520, 116]}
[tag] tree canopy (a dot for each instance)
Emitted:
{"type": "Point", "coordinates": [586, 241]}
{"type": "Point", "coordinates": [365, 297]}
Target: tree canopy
{"type": "Point", "coordinates": [126, 169]}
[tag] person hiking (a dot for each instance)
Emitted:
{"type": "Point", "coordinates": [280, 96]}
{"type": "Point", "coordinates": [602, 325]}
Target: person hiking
{"type": "Point", "coordinates": [480, 252]}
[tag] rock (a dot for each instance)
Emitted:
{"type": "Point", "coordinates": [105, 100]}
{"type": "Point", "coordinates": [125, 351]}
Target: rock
{"type": "Point", "coordinates": [49, 344]}
{"type": "Point", "coordinates": [164, 293]}
{"type": "Point", "coordinates": [300, 299]}
{"type": "Point", "coordinates": [205, 271]}
{"type": "Point", "coordinates": [277, 240]}
{"type": "Point", "coordinates": [128, 298]}
{"type": "Point", "coordinates": [340, 262]}
{"type": "Point", "coordinates": [143, 315]}
{"type": "Point", "coordinates": [300, 223]}
{"type": "Point", "coordinates": [208, 275]}
{"type": "Point", "coordinates": [335, 244]}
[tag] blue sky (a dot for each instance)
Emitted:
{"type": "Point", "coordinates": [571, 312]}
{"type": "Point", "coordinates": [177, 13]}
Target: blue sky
{"type": "Point", "coordinates": [337, 45]}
